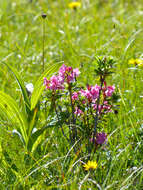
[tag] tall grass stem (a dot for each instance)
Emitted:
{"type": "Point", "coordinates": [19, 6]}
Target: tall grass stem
{"type": "Point", "coordinates": [43, 42]}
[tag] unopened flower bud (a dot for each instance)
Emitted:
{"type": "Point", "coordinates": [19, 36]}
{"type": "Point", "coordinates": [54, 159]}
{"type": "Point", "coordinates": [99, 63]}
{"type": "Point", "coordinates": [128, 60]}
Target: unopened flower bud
{"type": "Point", "coordinates": [44, 15]}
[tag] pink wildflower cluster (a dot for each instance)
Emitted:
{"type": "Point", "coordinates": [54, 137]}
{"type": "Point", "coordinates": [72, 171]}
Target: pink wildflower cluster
{"type": "Point", "coordinates": [65, 74]}
{"type": "Point", "coordinates": [90, 96]}
{"type": "Point", "coordinates": [91, 93]}
{"type": "Point", "coordinates": [55, 83]}
{"type": "Point", "coordinates": [83, 96]}
{"type": "Point", "coordinates": [68, 74]}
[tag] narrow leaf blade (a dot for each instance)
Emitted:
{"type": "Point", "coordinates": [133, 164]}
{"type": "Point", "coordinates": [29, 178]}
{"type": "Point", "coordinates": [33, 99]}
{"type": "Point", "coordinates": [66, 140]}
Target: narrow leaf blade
{"type": "Point", "coordinates": [11, 111]}
{"type": "Point", "coordinates": [21, 85]}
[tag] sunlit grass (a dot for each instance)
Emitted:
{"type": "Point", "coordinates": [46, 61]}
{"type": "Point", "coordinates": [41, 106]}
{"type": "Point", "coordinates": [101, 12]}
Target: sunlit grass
{"type": "Point", "coordinates": [112, 28]}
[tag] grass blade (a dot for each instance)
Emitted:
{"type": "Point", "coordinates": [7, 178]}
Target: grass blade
{"type": "Point", "coordinates": [10, 109]}
{"type": "Point", "coordinates": [21, 85]}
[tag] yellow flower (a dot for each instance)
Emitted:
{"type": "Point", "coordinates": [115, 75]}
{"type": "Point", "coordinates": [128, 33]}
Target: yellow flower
{"type": "Point", "coordinates": [131, 61]}
{"type": "Point", "coordinates": [138, 62]}
{"type": "Point", "coordinates": [90, 165]}
{"type": "Point", "coordinates": [74, 5]}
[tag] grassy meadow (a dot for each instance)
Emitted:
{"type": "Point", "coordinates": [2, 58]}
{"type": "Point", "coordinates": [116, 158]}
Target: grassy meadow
{"type": "Point", "coordinates": [73, 36]}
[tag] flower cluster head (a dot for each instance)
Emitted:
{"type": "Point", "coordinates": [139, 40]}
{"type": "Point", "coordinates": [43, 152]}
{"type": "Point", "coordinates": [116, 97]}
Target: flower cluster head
{"type": "Point", "coordinates": [85, 96]}
{"type": "Point", "coordinates": [81, 107]}
{"type": "Point", "coordinates": [54, 83]}
{"type": "Point", "coordinates": [74, 5]}
{"type": "Point", "coordinates": [101, 138]}
{"type": "Point", "coordinates": [136, 62]}
{"type": "Point", "coordinates": [68, 74]}
{"type": "Point", "coordinates": [90, 96]}
{"type": "Point", "coordinates": [90, 165]}
{"type": "Point", "coordinates": [65, 74]}
{"type": "Point", "coordinates": [91, 93]}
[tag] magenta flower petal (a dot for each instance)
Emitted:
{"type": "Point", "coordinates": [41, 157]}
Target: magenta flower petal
{"type": "Point", "coordinates": [109, 91]}
{"type": "Point", "coordinates": [101, 138]}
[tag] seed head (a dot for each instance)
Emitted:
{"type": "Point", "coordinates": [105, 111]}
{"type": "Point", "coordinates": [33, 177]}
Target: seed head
{"type": "Point", "coordinates": [44, 15]}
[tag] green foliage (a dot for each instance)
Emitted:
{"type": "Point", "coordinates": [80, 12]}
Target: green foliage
{"type": "Point", "coordinates": [22, 87]}
{"type": "Point", "coordinates": [25, 122]}
{"type": "Point", "coordinates": [11, 111]}
{"type": "Point", "coordinates": [111, 28]}
{"type": "Point", "coordinates": [104, 65]}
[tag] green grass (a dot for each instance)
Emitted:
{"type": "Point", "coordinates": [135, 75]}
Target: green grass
{"type": "Point", "coordinates": [107, 27]}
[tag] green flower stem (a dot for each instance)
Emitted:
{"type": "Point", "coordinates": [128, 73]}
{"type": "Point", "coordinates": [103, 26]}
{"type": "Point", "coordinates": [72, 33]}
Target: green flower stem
{"type": "Point", "coordinates": [98, 102]}
{"type": "Point", "coordinates": [74, 130]}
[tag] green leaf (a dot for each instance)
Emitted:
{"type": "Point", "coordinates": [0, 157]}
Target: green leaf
{"type": "Point", "coordinates": [8, 163]}
{"type": "Point", "coordinates": [34, 137]}
{"type": "Point", "coordinates": [39, 87]}
{"type": "Point", "coordinates": [11, 111]}
{"type": "Point", "coordinates": [21, 85]}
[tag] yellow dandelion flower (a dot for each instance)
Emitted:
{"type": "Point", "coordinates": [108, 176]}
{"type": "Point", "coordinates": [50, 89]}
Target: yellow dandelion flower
{"type": "Point", "coordinates": [132, 61]}
{"type": "Point", "coordinates": [90, 165]}
{"type": "Point", "coordinates": [138, 62]}
{"type": "Point", "coordinates": [74, 5]}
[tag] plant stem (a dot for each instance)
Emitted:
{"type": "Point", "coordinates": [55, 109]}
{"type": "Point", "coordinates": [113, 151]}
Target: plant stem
{"type": "Point", "coordinates": [74, 131]}
{"type": "Point", "coordinates": [43, 49]}
{"type": "Point", "coordinates": [54, 104]}
{"type": "Point", "coordinates": [98, 102]}
{"type": "Point", "coordinates": [61, 125]}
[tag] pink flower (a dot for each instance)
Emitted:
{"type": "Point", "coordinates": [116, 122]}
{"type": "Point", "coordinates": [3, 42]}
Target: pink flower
{"type": "Point", "coordinates": [55, 83]}
{"type": "Point", "coordinates": [76, 72]}
{"type": "Point", "coordinates": [107, 108]}
{"type": "Point", "coordinates": [68, 74]}
{"type": "Point", "coordinates": [62, 70]}
{"type": "Point", "coordinates": [78, 112]}
{"type": "Point", "coordinates": [95, 91]}
{"type": "Point", "coordinates": [86, 94]}
{"type": "Point", "coordinates": [82, 92]}
{"type": "Point", "coordinates": [83, 101]}
{"type": "Point", "coordinates": [65, 74]}
{"type": "Point", "coordinates": [46, 82]}
{"type": "Point", "coordinates": [70, 78]}
{"type": "Point", "coordinates": [109, 91]}
{"type": "Point", "coordinates": [91, 93]}
{"type": "Point", "coordinates": [69, 69]}
{"type": "Point", "coordinates": [99, 107]}
{"type": "Point", "coordinates": [75, 96]}
{"type": "Point", "coordinates": [101, 138]}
